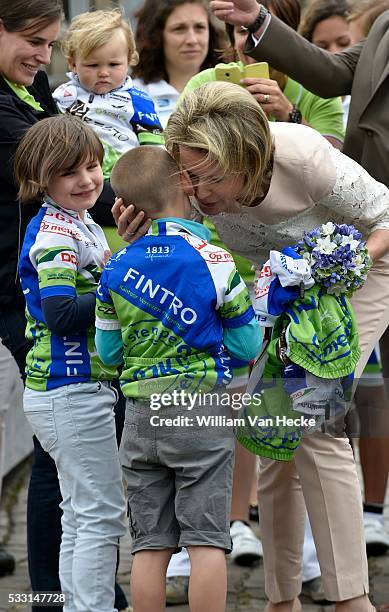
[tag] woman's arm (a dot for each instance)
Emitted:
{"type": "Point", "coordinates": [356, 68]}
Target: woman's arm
{"type": "Point", "coordinates": [14, 124]}
{"type": "Point", "coordinates": [325, 74]}
{"type": "Point", "coordinates": [131, 224]}
{"type": "Point", "coordinates": [271, 98]}
{"type": "Point", "coordinates": [323, 115]}
{"type": "Point", "coordinates": [358, 198]}
{"type": "Point", "coordinates": [16, 118]}
{"type": "Point", "coordinates": [378, 243]}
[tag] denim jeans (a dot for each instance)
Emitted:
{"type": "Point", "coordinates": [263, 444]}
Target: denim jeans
{"type": "Point", "coordinates": [75, 425]}
{"type": "Point", "coordinates": [44, 497]}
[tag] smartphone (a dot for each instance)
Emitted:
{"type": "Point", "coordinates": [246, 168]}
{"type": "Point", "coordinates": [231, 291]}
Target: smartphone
{"type": "Point", "coordinates": [231, 74]}
{"type": "Point", "coordinates": [257, 71]}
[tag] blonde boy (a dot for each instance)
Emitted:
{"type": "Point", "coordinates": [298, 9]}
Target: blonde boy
{"type": "Point", "coordinates": [100, 48]}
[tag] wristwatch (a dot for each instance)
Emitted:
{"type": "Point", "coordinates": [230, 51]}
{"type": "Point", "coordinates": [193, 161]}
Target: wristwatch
{"type": "Point", "coordinates": [295, 115]}
{"type": "Point", "coordinates": [263, 13]}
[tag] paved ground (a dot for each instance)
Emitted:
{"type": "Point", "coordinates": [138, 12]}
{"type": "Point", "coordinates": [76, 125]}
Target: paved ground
{"type": "Point", "coordinates": [245, 586]}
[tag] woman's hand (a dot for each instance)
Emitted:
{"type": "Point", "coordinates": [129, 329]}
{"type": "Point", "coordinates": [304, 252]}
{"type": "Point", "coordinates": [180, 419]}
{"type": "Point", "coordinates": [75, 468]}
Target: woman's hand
{"type": "Point", "coordinates": [269, 95]}
{"type": "Point", "coordinates": [131, 225]}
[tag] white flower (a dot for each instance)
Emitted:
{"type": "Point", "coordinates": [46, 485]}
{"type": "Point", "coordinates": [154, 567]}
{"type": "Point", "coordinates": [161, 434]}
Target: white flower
{"type": "Point", "coordinates": [360, 266]}
{"type": "Point", "coordinates": [325, 245]}
{"type": "Point", "coordinates": [327, 228]}
{"type": "Point", "coordinates": [350, 240]}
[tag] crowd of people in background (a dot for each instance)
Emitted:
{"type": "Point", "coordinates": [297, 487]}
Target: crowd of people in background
{"type": "Point", "coordinates": [249, 169]}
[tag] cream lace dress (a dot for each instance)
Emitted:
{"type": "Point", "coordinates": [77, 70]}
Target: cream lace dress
{"type": "Point", "coordinates": [313, 183]}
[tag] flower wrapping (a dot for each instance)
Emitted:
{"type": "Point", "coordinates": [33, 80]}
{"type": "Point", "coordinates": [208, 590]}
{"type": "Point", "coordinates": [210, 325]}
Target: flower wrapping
{"type": "Point", "coordinates": [338, 257]}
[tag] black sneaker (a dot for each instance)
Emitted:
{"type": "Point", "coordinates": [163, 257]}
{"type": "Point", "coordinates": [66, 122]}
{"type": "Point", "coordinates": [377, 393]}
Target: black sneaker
{"type": "Point", "coordinates": [376, 536]}
{"type": "Point", "coordinates": [7, 562]}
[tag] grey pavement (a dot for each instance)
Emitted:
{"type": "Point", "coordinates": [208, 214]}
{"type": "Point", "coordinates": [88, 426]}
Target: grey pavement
{"type": "Point", "coordinates": [245, 586]}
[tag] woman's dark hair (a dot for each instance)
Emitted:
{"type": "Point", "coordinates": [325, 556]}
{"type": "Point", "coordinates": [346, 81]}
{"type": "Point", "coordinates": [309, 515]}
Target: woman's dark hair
{"type": "Point", "coordinates": [152, 17]}
{"type": "Point", "coordinates": [289, 11]}
{"type": "Point", "coordinates": [317, 11]}
{"type": "Point", "coordinates": [19, 15]}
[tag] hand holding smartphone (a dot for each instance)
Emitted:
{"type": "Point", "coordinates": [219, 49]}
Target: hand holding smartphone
{"type": "Point", "coordinates": [234, 73]}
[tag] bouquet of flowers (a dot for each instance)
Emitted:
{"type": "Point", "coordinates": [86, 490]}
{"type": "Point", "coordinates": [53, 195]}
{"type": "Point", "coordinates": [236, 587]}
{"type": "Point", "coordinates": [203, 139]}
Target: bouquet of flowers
{"type": "Point", "coordinates": [338, 257]}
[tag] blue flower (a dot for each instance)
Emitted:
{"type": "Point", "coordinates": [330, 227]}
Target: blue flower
{"type": "Point", "coordinates": [338, 256]}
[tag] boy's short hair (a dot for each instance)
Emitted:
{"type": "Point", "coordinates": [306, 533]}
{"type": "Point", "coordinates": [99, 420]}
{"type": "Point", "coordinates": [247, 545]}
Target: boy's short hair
{"type": "Point", "coordinates": [89, 31]}
{"type": "Point", "coordinates": [51, 146]}
{"type": "Point", "coordinates": [146, 177]}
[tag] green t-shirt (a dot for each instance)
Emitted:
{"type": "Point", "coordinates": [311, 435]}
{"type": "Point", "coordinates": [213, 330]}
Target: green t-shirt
{"type": "Point", "coordinates": [22, 93]}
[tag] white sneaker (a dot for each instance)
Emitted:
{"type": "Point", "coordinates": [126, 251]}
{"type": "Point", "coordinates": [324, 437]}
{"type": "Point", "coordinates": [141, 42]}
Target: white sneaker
{"type": "Point", "coordinates": [247, 548]}
{"type": "Point", "coordinates": [377, 538]}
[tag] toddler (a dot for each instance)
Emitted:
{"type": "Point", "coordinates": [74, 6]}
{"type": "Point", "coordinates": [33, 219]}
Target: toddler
{"type": "Point", "coordinates": [100, 48]}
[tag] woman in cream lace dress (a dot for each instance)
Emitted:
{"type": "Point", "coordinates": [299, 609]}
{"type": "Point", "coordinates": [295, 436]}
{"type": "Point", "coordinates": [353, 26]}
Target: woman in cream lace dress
{"type": "Point", "coordinates": [264, 185]}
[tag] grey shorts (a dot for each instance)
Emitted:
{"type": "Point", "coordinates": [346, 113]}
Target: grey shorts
{"type": "Point", "coordinates": [179, 477]}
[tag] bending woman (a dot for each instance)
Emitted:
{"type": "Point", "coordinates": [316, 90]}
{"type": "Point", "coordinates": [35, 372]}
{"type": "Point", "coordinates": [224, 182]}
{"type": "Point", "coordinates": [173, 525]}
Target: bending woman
{"type": "Point", "coordinates": [264, 185]}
